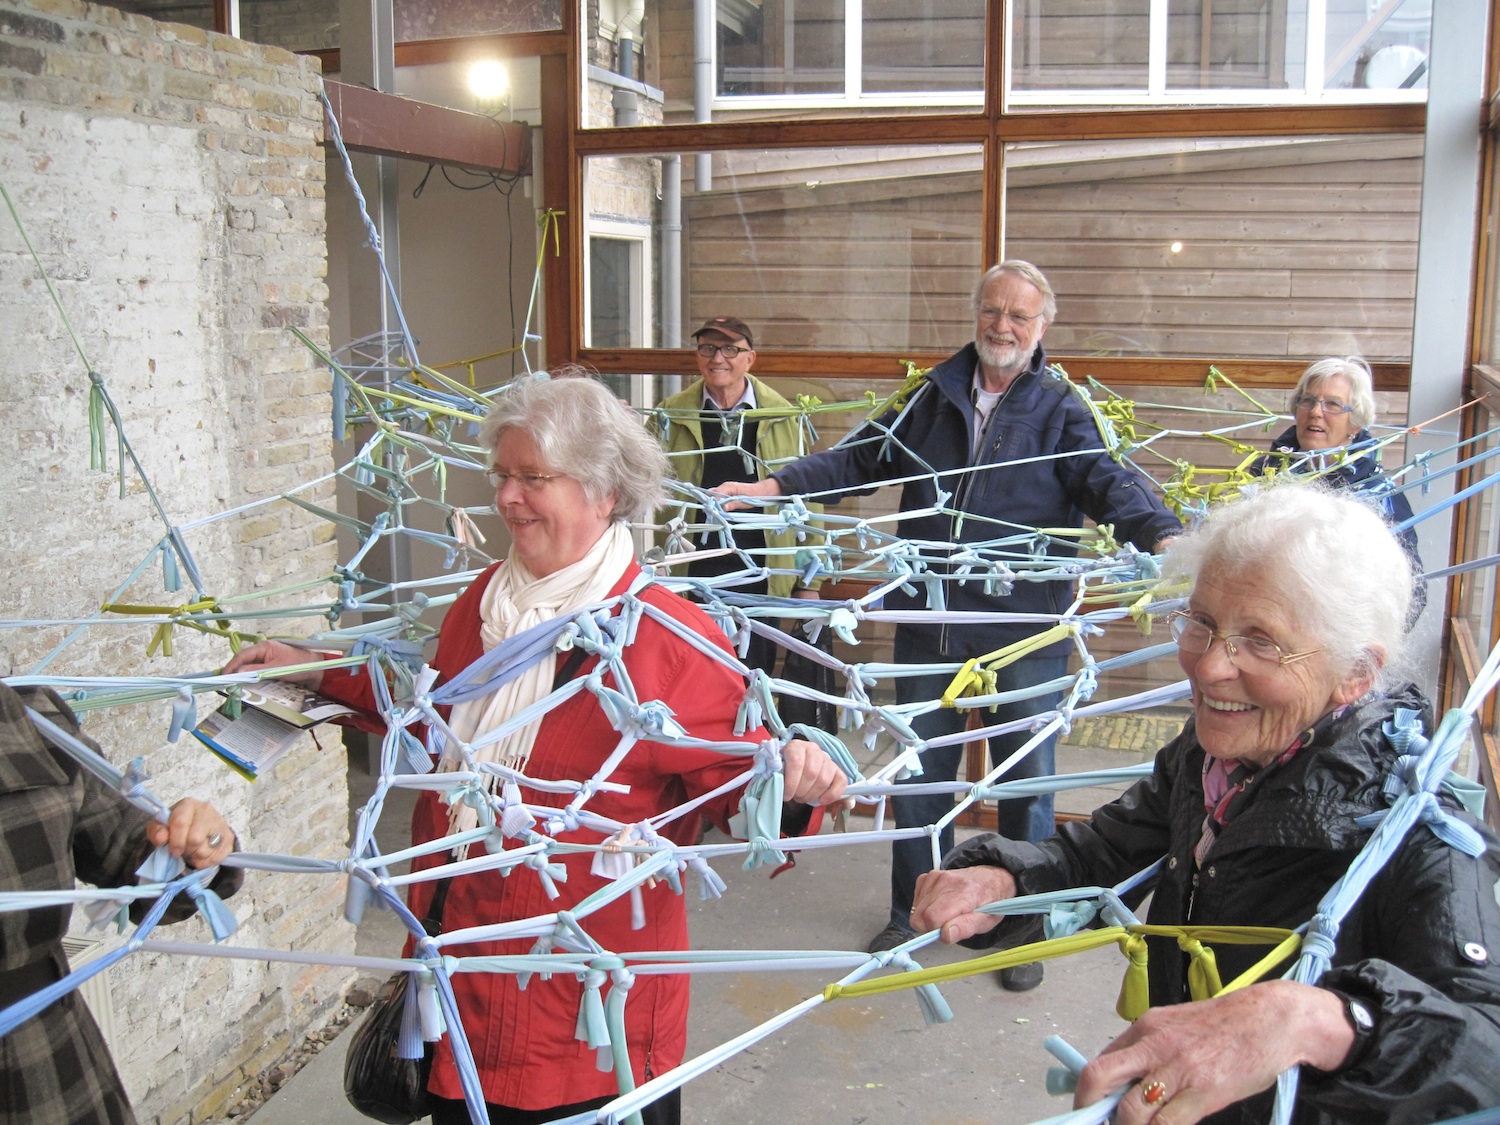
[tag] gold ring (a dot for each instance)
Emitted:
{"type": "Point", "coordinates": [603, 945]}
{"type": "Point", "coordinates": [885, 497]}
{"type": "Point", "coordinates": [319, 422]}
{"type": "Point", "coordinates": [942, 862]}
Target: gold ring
{"type": "Point", "coordinates": [1153, 1093]}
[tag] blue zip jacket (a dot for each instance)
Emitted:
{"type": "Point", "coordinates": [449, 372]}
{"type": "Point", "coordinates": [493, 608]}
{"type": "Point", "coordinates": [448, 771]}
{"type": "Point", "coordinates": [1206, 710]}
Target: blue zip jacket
{"type": "Point", "coordinates": [1037, 417]}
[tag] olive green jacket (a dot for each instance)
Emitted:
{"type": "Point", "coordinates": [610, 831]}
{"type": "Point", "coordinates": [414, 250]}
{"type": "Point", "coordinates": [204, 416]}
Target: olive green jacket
{"type": "Point", "coordinates": [778, 442]}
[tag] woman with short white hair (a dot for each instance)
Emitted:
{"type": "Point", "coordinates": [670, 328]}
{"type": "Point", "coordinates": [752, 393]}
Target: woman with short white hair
{"type": "Point", "coordinates": [1293, 625]}
{"type": "Point", "coordinates": [1333, 406]}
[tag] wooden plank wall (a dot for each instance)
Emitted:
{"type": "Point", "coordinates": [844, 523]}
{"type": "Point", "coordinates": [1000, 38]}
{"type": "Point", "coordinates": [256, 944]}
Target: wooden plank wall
{"type": "Point", "coordinates": [1288, 249]}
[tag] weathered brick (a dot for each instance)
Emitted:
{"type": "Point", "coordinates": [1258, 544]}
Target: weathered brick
{"type": "Point", "coordinates": [159, 201]}
{"type": "Point", "coordinates": [16, 56]}
{"type": "Point", "coordinates": [23, 25]}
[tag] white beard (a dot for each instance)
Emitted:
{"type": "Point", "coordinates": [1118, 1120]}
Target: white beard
{"type": "Point", "coordinates": [1000, 357]}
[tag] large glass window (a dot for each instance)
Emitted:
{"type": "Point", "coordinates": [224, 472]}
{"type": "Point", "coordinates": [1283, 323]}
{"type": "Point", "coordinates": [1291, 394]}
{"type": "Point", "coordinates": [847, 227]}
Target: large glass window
{"type": "Point", "coordinates": [780, 47]}
{"type": "Point", "coordinates": [841, 249]}
{"type": "Point", "coordinates": [778, 58]}
{"type": "Point", "coordinates": [1224, 51]}
{"type": "Point", "coordinates": [727, 60]}
{"type": "Point", "coordinates": [1268, 247]}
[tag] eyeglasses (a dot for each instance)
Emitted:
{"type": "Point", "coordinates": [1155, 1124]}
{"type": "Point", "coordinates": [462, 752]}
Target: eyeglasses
{"type": "Point", "coordinates": [728, 351]}
{"type": "Point", "coordinates": [1020, 320]}
{"type": "Point", "coordinates": [1329, 405]}
{"type": "Point", "coordinates": [529, 482]}
{"type": "Point", "coordinates": [1248, 654]}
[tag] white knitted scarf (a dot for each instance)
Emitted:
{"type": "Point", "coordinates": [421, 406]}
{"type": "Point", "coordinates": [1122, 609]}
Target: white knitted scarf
{"type": "Point", "coordinates": [514, 601]}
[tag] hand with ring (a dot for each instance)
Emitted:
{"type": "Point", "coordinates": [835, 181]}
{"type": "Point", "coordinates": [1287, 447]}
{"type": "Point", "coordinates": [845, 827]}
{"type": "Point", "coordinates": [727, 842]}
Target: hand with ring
{"type": "Point", "coordinates": [1173, 1057]}
{"type": "Point", "coordinates": [195, 831]}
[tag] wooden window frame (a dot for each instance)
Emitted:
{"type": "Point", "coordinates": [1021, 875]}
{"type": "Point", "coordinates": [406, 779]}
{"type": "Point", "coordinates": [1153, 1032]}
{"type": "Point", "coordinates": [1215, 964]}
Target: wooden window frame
{"type": "Point", "coordinates": [566, 144]}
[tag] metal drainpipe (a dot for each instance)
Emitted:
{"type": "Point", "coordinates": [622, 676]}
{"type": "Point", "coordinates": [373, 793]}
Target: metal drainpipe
{"type": "Point", "coordinates": [671, 252]}
{"type": "Point", "coordinates": [703, 82]}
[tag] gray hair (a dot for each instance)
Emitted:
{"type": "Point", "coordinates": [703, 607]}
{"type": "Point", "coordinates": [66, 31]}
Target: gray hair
{"type": "Point", "coordinates": [1335, 559]}
{"type": "Point", "coordinates": [583, 430]}
{"type": "Point", "coordinates": [1361, 385]}
{"type": "Point", "coordinates": [1026, 272]}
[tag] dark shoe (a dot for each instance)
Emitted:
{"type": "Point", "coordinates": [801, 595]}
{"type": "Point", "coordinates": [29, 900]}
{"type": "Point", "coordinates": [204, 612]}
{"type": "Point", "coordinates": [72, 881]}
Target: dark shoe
{"type": "Point", "coordinates": [888, 938]}
{"type": "Point", "coordinates": [1021, 978]}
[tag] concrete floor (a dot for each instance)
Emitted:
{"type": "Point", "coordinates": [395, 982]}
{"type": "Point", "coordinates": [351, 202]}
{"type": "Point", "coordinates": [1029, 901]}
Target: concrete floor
{"type": "Point", "coordinates": [847, 1062]}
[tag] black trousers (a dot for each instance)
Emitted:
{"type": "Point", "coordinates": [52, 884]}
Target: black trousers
{"type": "Point", "coordinates": [664, 1111]}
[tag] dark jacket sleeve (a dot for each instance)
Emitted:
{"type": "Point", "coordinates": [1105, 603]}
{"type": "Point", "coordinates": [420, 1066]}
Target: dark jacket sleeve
{"type": "Point", "coordinates": [1108, 491]}
{"type": "Point", "coordinates": [1120, 839]}
{"type": "Point", "coordinates": [1433, 913]}
{"type": "Point", "coordinates": [109, 833]}
{"type": "Point", "coordinates": [864, 458]}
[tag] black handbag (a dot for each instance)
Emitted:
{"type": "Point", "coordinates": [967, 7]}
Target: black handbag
{"type": "Point", "coordinates": [377, 1081]}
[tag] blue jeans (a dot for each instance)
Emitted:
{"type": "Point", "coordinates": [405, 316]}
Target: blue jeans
{"type": "Point", "coordinates": [1028, 818]}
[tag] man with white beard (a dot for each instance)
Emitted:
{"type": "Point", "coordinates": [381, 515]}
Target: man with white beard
{"type": "Point", "coordinates": [1014, 449]}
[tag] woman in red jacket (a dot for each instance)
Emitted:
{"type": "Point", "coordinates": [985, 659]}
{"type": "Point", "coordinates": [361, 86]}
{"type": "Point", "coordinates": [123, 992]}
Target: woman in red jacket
{"type": "Point", "coordinates": [571, 465]}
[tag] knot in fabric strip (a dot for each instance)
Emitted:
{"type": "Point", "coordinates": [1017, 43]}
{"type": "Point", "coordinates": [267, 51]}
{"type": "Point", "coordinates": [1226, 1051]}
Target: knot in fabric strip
{"type": "Point", "coordinates": [1203, 968]}
{"type": "Point", "coordinates": [1135, 989]}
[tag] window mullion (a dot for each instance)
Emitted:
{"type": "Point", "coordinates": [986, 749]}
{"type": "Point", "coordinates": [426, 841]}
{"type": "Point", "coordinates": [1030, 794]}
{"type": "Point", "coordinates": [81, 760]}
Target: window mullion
{"type": "Point", "coordinates": [1317, 47]}
{"type": "Point", "coordinates": [854, 49]}
{"type": "Point", "coordinates": [1156, 49]}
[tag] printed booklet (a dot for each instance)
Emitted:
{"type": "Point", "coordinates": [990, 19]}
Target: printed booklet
{"type": "Point", "coordinates": [272, 716]}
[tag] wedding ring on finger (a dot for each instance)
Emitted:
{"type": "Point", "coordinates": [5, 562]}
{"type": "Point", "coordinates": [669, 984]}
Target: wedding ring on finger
{"type": "Point", "coordinates": [214, 840]}
{"type": "Point", "coordinates": [1154, 1093]}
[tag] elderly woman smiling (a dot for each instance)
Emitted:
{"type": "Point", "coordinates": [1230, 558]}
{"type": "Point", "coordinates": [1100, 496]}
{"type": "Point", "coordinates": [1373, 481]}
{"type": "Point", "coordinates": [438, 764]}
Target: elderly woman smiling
{"type": "Point", "coordinates": [1333, 405]}
{"type": "Point", "coordinates": [570, 465]}
{"type": "Point", "coordinates": [1295, 615]}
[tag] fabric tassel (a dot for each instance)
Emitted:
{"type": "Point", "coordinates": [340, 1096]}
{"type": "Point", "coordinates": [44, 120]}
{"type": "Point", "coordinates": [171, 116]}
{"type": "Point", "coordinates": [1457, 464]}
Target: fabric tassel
{"type": "Point", "coordinates": [592, 1028]}
{"type": "Point", "coordinates": [710, 883]}
{"type": "Point", "coordinates": [1135, 989]}
{"type": "Point", "coordinates": [637, 909]}
{"type": "Point", "coordinates": [171, 580]}
{"type": "Point", "coordinates": [184, 714]}
{"type": "Point", "coordinates": [160, 866]}
{"type": "Point", "coordinates": [356, 898]}
{"type": "Point", "coordinates": [101, 914]}
{"type": "Point", "coordinates": [220, 920]}
{"type": "Point", "coordinates": [516, 818]}
{"type": "Point", "coordinates": [935, 1009]}
{"type": "Point", "coordinates": [430, 1010]}
{"type": "Point", "coordinates": [1203, 969]}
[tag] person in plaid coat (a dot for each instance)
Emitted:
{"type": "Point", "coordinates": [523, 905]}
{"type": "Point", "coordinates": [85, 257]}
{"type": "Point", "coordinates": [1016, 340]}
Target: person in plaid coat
{"type": "Point", "coordinates": [58, 822]}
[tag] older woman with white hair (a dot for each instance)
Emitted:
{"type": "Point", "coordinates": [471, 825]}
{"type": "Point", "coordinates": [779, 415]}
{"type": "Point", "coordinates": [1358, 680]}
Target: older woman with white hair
{"type": "Point", "coordinates": [1333, 405]}
{"type": "Point", "coordinates": [1294, 619]}
{"type": "Point", "coordinates": [570, 465]}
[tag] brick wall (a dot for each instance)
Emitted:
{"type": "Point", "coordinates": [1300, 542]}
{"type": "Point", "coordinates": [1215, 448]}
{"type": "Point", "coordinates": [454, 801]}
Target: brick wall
{"type": "Point", "coordinates": [172, 183]}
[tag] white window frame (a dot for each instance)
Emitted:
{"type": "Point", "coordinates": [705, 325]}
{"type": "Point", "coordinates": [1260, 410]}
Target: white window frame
{"type": "Point", "coordinates": [1156, 92]}
{"type": "Point", "coordinates": [641, 305]}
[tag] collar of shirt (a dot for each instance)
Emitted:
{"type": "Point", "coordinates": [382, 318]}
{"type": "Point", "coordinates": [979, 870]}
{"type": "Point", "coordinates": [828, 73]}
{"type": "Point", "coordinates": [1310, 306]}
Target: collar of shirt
{"type": "Point", "coordinates": [746, 400]}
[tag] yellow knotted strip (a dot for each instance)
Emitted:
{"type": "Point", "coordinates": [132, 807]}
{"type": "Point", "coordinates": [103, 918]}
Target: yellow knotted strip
{"type": "Point", "coordinates": [468, 364]}
{"type": "Point", "coordinates": [915, 376]}
{"type": "Point", "coordinates": [1211, 386]}
{"type": "Point", "coordinates": [940, 974]}
{"type": "Point", "coordinates": [425, 405]}
{"type": "Point", "coordinates": [1134, 991]}
{"type": "Point", "coordinates": [976, 673]}
{"type": "Point", "coordinates": [1288, 948]}
{"type": "Point", "coordinates": [432, 377]}
{"type": "Point", "coordinates": [1135, 988]}
{"type": "Point", "coordinates": [161, 637]}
